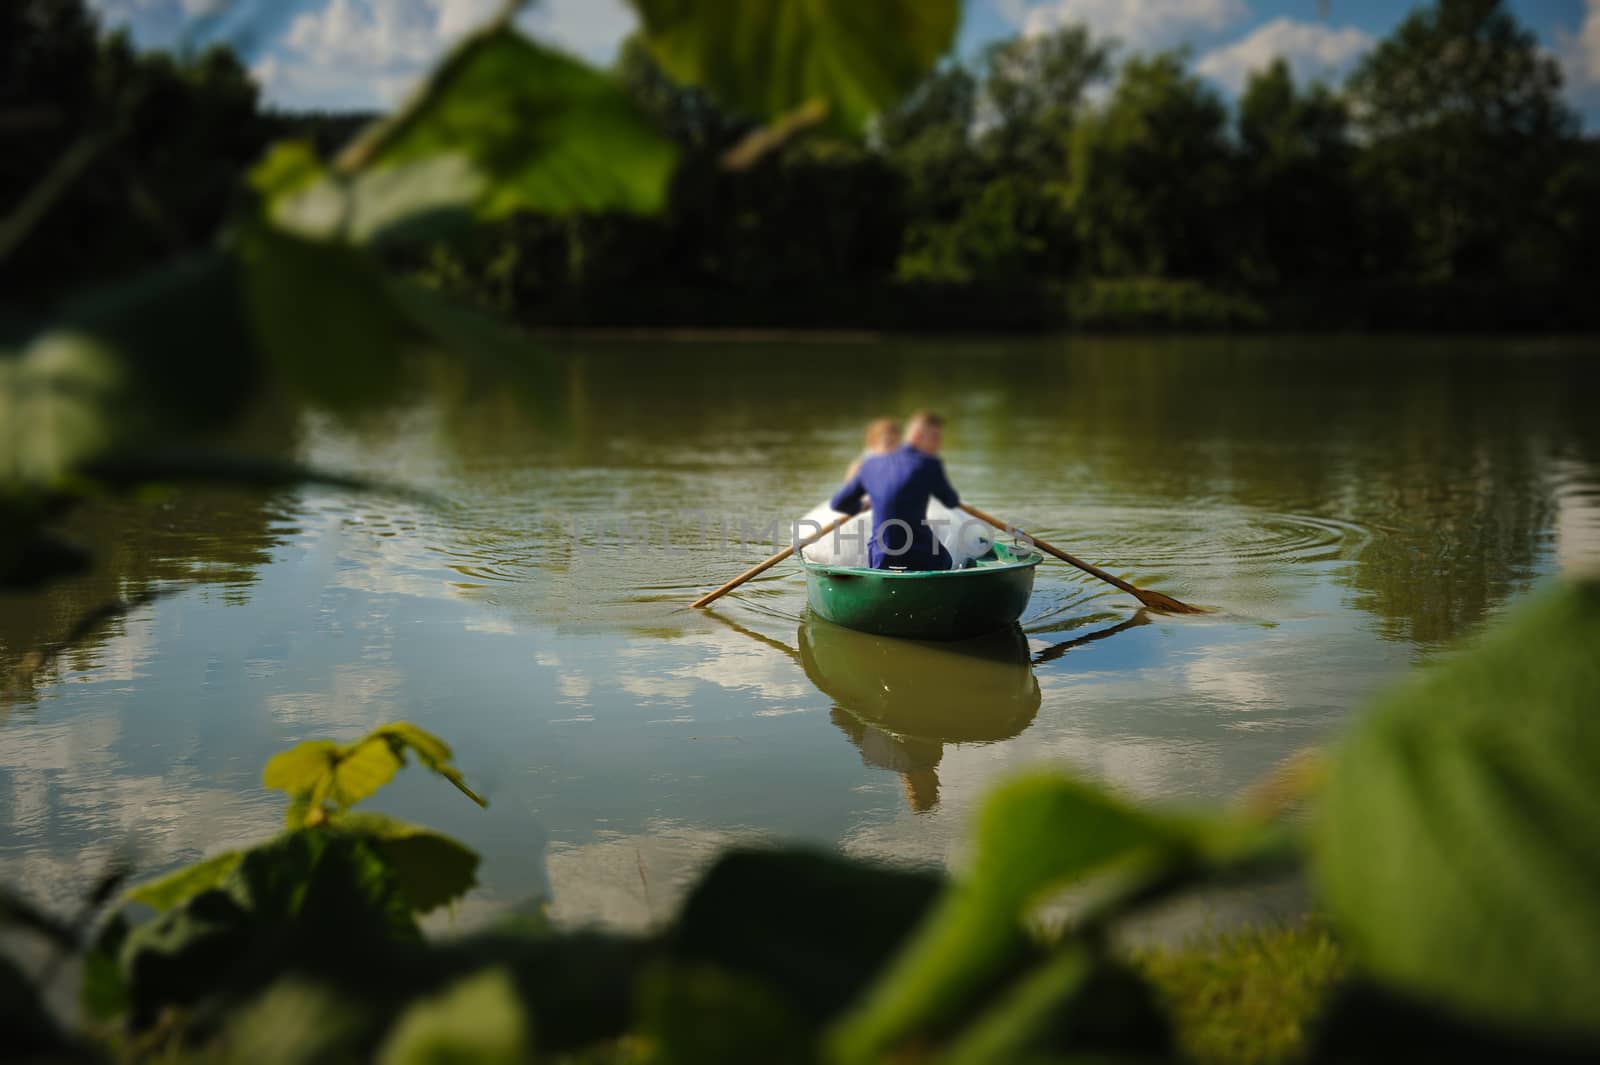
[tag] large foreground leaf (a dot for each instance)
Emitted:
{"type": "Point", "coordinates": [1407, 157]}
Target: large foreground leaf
{"type": "Point", "coordinates": [1076, 1006]}
{"type": "Point", "coordinates": [168, 351]}
{"type": "Point", "coordinates": [540, 130]}
{"type": "Point", "coordinates": [56, 404]}
{"type": "Point", "coordinates": [430, 868]}
{"type": "Point", "coordinates": [1459, 841]}
{"type": "Point", "coordinates": [294, 899]}
{"type": "Point", "coordinates": [814, 928]}
{"type": "Point", "coordinates": [771, 57]}
{"type": "Point", "coordinates": [323, 316]}
{"type": "Point", "coordinates": [478, 1019]}
{"type": "Point", "coordinates": [1035, 834]}
{"type": "Point", "coordinates": [179, 887]}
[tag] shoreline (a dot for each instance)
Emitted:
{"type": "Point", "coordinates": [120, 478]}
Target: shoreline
{"type": "Point", "coordinates": [1152, 306]}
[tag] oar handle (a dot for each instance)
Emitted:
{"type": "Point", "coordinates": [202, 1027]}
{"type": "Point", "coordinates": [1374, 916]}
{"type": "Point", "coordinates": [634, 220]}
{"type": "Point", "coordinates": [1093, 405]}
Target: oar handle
{"type": "Point", "coordinates": [1051, 549]}
{"type": "Point", "coordinates": [762, 567]}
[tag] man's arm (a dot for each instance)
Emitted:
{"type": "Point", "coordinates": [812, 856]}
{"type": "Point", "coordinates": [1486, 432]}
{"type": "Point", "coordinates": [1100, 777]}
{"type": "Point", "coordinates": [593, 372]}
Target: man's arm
{"type": "Point", "coordinates": [940, 488]}
{"type": "Point", "coordinates": [848, 499]}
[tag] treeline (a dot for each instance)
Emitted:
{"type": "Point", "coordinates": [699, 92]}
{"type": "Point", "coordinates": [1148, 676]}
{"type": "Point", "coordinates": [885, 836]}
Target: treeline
{"type": "Point", "coordinates": [1445, 183]}
{"type": "Point", "coordinates": [1050, 182]}
{"type": "Point", "coordinates": [113, 159]}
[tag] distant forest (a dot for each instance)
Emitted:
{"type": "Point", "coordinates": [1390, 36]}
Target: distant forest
{"type": "Point", "coordinates": [1053, 181]}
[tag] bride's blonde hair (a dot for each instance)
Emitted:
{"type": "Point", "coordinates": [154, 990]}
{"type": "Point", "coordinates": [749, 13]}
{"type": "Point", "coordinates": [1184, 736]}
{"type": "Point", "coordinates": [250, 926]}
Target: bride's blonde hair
{"type": "Point", "coordinates": [883, 434]}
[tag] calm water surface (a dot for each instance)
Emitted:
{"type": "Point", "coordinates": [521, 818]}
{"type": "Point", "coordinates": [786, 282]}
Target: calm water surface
{"type": "Point", "coordinates": [1349, 506]}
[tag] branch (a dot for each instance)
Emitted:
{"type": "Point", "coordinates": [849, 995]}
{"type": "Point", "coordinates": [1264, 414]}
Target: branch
{"type": "Point", "coordinates": [48, 190]}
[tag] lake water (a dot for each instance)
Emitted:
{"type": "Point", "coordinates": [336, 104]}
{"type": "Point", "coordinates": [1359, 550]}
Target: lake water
{"type": "Point", "coordinates": [1349, 507]}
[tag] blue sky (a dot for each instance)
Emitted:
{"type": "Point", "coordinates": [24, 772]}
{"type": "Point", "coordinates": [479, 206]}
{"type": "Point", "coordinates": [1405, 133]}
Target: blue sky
{"type": "Point", "coordinates": [364, 53]}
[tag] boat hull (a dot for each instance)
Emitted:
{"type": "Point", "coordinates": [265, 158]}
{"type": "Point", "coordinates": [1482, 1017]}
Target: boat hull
{"type": "Point", "coordinates": [951, 691]}
{"type": "Point", "coordinates": [949, 605]}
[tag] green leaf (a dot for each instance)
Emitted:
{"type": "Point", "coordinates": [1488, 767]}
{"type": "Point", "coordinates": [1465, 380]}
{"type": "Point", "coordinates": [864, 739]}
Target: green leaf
{"type": "Point", "coordinates": [361, 769]}
{"type": "Point", "coordinates": [430, 868]}
{"type": "Point", "coordinates": [540, 130]}
{"type": "Point", "coordinates": [1458, 841]}
{"type": "Point", "coordinates": [58, 403]}
{"type": "Point", "coordinates": [295, 1021]}
{"type": "Point", "coordinates": [430, 750]}
{"type": "Point", "coordinates": [298, 811]}
{"type": "Point", "coordinates": [1036, 834]}
{"type": "Point", "coordinates": [103, 992]}
{"type": "Point", "coordinates": [323, 317]}
{"type": "Point", "coordinates": [318, 772]}
{"type": "Point", "coordinates": [1073, 1006]}
{"type": "Point", "coordinates": [477, 1019]}
{"type": "Point", "coordinates": [184, 954]}
{"type": "Point", "coordinates": [816, 928]}
{"type": "Point", "coordinates": [698, 1013]}
{"type": "Point", "coordinates": [183, 339]}
{"type": "Point", "coordinates": [304, 899]}
{"type": "Point", "coordinates": [404, 203]}
{"type": "Point", "coordinates": [1037, 831]}
{"type": "Point", "coordinates": [431, 198]}
{"type": "Point", "coordinates": [298, 770]}
{"type": "Point", "coordinates": [179, 887]}
{"type": "Point", "coordinates": [768, 59]}
{"type": "Point", "coordinates": [288, 169]}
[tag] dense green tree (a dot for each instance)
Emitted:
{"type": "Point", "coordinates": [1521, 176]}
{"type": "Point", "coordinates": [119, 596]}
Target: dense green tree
{"type": "Point", "coordinates": [1033, 94]}
{"type": "Point", "coordinates": [985, 158]}
{"type": "Point", "coordinates": [1449, 158]}
{"type": "Point", "coordinates": [1149, 174]}
{"type": "Point", "coordinates": [1294, 207]}
{"type": "Point", "coordinates": [1010, 231]}
{"type": "Point", "coordinates": [128, 158]}
{"type": "Point", "coordinates": [1463, 122]}
{"type": "Point", "coordinates": [1573, 200]}
{"type": "Point", "coordinates": [929, 139]}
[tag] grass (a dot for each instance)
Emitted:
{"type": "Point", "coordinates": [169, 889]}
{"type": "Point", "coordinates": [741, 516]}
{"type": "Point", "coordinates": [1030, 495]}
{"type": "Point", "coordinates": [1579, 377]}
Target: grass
{"type": "Point", "coordinates": [1247, 997]}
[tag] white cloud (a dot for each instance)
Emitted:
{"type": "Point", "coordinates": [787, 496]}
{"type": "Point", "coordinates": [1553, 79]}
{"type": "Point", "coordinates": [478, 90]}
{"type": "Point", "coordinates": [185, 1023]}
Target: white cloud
{"type": "Point", "coordinates": [392, 36]}
{"type": "Point", "coordinates": [1138, 24]}
{"type": "Point", "coordinates": [1589, 36]}
{"type": "Point", "coordinates": [1311, 49]}
{"type": "Point", "coordinates": [589, 28]}
{"type": "Point", "coordinates": [1579, 53]}
{"type": "Point", "coordinates": [123, 12]}
{"type": "Point", "coordinates": [368, 53]}
{"type": "Point", "coordinates": [362, 53]}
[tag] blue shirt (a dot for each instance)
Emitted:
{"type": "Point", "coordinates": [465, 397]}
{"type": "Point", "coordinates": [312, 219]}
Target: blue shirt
{"type": "Point", "coordinates": [899, 484]}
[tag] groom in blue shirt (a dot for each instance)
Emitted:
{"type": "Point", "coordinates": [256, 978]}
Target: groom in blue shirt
{"type": "Point", "coordinates": [898, 485]}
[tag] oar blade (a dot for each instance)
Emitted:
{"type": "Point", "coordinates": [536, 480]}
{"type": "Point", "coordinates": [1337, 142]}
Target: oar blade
{"type": "Point", "coordinates": [1165, 603]}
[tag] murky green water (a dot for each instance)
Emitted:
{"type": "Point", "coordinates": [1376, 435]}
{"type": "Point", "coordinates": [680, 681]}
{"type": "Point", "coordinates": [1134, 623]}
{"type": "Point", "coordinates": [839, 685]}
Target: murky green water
{"type": "Point", "coordinates": [1349, 506]}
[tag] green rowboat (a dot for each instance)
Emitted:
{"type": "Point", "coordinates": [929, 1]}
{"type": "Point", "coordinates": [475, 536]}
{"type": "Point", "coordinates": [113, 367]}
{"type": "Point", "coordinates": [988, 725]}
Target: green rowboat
{"type": "Point", "coordinates": [956, 604]}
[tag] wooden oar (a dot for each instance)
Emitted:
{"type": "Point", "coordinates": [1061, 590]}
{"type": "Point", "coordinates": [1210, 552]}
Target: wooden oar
{"type": "Point", "coordinates": [757, 570]}
{"type": "Point", "coordinates": [1154, 600]}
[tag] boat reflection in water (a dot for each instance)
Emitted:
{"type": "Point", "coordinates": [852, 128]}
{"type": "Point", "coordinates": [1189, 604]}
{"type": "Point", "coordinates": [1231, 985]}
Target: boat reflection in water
{"type": "Point", "coordinates": [900, 701]}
